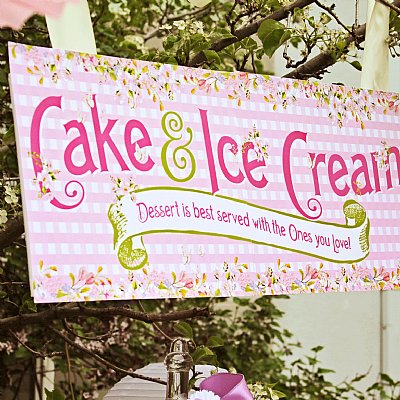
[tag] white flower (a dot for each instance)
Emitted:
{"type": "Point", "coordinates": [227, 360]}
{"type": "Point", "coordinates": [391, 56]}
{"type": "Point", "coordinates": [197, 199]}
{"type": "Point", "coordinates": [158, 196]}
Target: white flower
{"type": "Point", "coordinates": [89, 100]}
{"type": "Point", "coordinates": [166, 26]}
{"type": "Point", "coordinates": [197, 27]}
{"type": "Point", "coordinates": [204, 395]}
{"type": "Point", "coordinates": [3, 217]}
{"type": "Point", "coordinates": [11, 197]}
{"type": "Point", "coordinates": [181, 25]}
{"type": "Point", "coordinates": [118, 9]}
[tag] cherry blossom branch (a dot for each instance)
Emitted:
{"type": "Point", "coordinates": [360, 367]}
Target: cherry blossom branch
{"type": "Point", "coordinates": [318, 65]}
{"type": "Point", "coordinates": [71, 310]}
{"type": "Point", "coordinates": [103, 360]}
{"type": "Point", "coordinates": [34, 352]}
{"type": "Point", "coordinates": [249, 30]}
{"type": "Point", "coordinates": [197, 13]}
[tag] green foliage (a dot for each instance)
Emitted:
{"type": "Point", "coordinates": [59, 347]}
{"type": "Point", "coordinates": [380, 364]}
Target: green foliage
{"type": "Point", "coordinates": [54, 395]}
{"type": "Point", "coordinates": [248, 338]}
{"type": "Point", "coordinates": [184, 329]}
{"type": "Point", "coordinates": [272, 35]}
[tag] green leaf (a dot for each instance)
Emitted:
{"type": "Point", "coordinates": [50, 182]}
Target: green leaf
{"type": "Point", "coordinates": [199, 44]}
{"type": "Point", "coordinates": [161, 286]}
{"type": "Point", "coordinates": [341, 45]}
{"type": "Point", "coordinates": [54, 395]}
{"type": "Point", "coordinates": [249, 43]}
{"type": "Point", "coordinates": [170, 41]}
{"type": "Point", "coordinates": [202, 353]}
{"type": "Point", "coordinates": [29, 304]}
{"type": "Point", "coordinates": [184, 329]}
{"type": "Point", "coordinates": [357, 65]}
{"type": "Point", "coordinates": [267, 27]}
{"type": "Point", "coordinates": [214, 341]}
{"type": "Point", "coordinates": [317, 349]}
{"type": "Point", "coordinates": [22, 353]}
{"type": "Point", "coordinates": [387, 379]}
{"type": "Point", "coordinates": [60, 294]}
{"type": "Point", "coordinates": [272, 34]}
{"type": "Point", "coordinates": [212, 56]}
{"type": "Point", "coordinates": [72, 277]}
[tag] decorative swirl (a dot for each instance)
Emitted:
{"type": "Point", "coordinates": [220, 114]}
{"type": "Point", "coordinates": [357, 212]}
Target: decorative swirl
{"type": "Point", "coordinates": [172, 122]}
{"type": "Point", "coordinates": [131, 251]}
{"type": "Point", "coordinates": [314, 205]}
{"type": "Point", "coordinates": [72, 194]}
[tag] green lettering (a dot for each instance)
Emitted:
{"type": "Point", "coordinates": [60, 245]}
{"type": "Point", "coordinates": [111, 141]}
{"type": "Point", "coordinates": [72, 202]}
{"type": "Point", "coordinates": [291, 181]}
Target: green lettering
{"type": "Point", "coordinates": [172, 124]}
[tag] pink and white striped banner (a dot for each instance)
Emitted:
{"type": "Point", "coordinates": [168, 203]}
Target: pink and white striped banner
{"type": "Point", "coordinates": [145, 180]}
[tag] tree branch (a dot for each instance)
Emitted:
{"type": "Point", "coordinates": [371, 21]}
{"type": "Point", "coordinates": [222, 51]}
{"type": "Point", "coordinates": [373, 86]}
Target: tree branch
{"type": "Point", "coordinates": [249, 30]}
{"type": "Point", "coordinates": [395, 7]}
{"type": "Point", "coordinates": [103, 360]}
{"type": "Point", "coordinates": [70, 311]}
{"type": "Point", "coordinates": [34, 352]}
{"type": "Point", "coordinates": [197, 13]}
{"type": "Point", "coordinates": [333, 14]}
{"type": "Point", "coordinates": [13, 229]}
{"type": "Point", "coordinates": [325, 58]}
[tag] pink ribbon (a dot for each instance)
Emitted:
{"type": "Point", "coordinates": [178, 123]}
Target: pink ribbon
{"type": "Point", "coordinates": [227, 386]}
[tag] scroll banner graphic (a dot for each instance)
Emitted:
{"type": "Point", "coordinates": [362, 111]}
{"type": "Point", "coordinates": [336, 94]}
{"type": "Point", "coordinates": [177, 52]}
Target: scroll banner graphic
{"type": "Point", "coordinates": [176, 210]}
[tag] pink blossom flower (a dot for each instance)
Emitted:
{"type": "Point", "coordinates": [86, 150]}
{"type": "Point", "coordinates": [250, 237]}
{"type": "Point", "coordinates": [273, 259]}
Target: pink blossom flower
{"type": "Point", "coordinates": [386, 276]}
{"type": "Point", "coordinates": [189, 283]}
{"type": "Point", "coordinates": [84, 277]}
{"type": "Point", "coordinates": [14, 13]}
{"type": "Point", "coordinates": [234, 149]}
{"type": "Point", "coordinates": [202, 83]}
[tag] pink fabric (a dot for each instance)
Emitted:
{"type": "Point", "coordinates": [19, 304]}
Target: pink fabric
{"type": "Point", "coordinates": [227, 386]}
{"type": "Point", "coordinates": [13, 13]}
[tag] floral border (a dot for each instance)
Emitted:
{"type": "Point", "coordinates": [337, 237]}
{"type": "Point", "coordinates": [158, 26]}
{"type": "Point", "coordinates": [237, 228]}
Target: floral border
{"type": "Point", "coordinates": [136, 80]}
{"type": "Point", "coordinates": [232, 279]}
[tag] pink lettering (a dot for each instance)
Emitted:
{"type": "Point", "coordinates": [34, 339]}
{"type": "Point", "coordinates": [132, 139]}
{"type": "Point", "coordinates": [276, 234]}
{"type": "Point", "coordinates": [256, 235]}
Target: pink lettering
{"type": "Point", "coordinates": [334, 176]}
{"type": "Point", "coordinates": [286, 157]}
{"type": "Point", "coordinates": [132, 147]}
{"type": "Point", "coordinates": [209, 152]}
{"type": "Point", "coordinates": [221, 146]}
{"type": "Point", "coordinates": [83, 141]}
{"type": "Point", "coordinates": [104, 137]}
{"type": "Point", "coordinates": [252, 165]}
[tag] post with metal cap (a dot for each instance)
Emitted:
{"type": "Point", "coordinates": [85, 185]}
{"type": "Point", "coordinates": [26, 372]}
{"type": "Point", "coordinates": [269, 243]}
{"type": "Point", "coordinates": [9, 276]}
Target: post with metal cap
{"type": "Point", "coordinates": [179, 363]}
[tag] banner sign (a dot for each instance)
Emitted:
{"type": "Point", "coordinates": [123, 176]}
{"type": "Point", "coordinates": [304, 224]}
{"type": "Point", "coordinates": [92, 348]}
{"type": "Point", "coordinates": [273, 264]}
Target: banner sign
{"type": "Point", "coordinates": [146, 180]}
